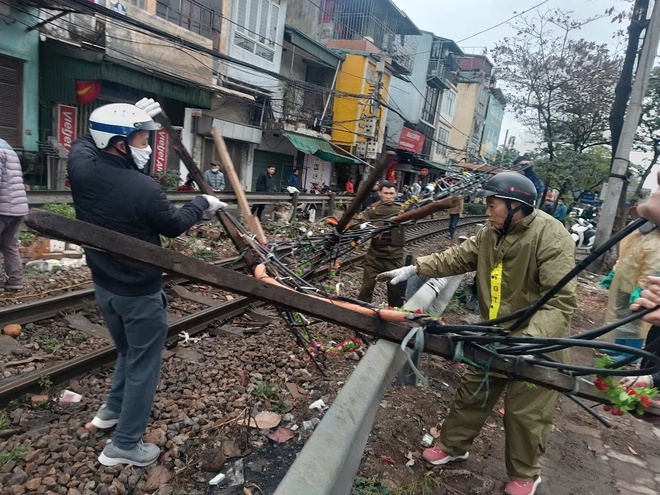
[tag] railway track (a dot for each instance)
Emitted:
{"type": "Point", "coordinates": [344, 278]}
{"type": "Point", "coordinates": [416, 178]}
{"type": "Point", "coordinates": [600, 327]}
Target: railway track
{"type": "Point", "coordinates": [59, 373]}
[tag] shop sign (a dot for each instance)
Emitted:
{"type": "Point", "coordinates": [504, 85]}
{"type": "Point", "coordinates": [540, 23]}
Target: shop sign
{"type": "Point", "coordinates": [160, 151]}
{"type": "Point", "coordinates": [66, 125]}
{"type": "Point", "coordinates": [411, 140]}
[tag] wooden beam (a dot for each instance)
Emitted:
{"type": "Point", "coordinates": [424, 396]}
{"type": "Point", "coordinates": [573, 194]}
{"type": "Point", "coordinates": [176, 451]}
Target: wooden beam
{"type": "Point", "coordinates": [70, 230]}
{"type": "Point", "coordinates": [252, 222]}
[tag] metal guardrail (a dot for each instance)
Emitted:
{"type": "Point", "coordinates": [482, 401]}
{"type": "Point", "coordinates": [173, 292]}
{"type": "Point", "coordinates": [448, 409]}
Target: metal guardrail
{"type": "Point", "coordinates": [40, 198]}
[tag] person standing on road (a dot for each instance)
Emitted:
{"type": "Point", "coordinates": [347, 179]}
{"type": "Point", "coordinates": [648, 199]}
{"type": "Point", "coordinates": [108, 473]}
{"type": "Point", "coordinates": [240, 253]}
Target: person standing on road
{"type": "Point", "coordinates": [455, 213]}
{"type": "Point", "coordinates": [293, 178]}
{"type": "Point", "coordinates": [265, 183]}
{"type": "Point", "coordinates": [560, 211]}
{"type": "Point", "coordinates": [13, 207]}
{"type": "Point", "coordinates": [109, 189]}
{"type": "Point", "coordinates": [215, 178]}
{"type": "Point", "coordinates": [519, 256]}
{"type": "Point", "coordinates": [386, 250]}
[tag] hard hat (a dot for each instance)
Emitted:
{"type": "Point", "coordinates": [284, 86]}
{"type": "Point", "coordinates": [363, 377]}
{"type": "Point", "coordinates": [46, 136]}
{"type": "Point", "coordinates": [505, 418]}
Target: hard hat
{"type": "Point", "coordinates": [118, 119]}
{"type": "Point", "coordinates": [510, 185]}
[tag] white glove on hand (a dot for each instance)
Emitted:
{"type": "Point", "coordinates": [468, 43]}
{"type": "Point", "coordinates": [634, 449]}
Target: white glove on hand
{"type": "Point", "coordinates": [398, 275]}
{"type": "Point", "coordinates": [637, 381]}
{"type": "Point", "coordinates": [214, 204]}
{"type": "Point", "coordinates": [364, 225]}
{"type": "Point", "coordinates": [150, 106]}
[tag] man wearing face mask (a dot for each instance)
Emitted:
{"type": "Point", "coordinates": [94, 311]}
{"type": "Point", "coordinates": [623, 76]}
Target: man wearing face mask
{"type": "Point", "coordinates": [109, 189]}
{"type": "Point", "coordinates": [215, 178]}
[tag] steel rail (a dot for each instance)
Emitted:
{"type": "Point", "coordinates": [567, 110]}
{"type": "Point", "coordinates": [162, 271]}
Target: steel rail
{"type": "Point", "coordinates": [195, 323]}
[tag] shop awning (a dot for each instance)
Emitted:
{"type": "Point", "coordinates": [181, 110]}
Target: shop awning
{"type": "Point", "coordinates": [316, 146]}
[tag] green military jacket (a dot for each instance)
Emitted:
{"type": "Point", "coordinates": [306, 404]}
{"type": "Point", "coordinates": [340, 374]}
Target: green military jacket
{"type": "Point", "coordinates": [389, 244]}
{"type": "Point", "coordinates": [515, 270]}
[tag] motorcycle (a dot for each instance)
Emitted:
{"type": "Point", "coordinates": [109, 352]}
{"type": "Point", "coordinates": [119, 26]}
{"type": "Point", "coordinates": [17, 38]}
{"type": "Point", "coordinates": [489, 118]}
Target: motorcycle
{"type": "Point", "coordinates": [583, 233]}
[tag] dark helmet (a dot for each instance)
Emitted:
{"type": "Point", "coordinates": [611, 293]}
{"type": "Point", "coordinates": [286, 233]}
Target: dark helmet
{"type": "Point", "coordinates": [510, 185]}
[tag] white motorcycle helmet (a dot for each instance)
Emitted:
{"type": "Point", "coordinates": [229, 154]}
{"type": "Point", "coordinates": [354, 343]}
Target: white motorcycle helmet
{"type": "Point", "coordinates": [118, 119]}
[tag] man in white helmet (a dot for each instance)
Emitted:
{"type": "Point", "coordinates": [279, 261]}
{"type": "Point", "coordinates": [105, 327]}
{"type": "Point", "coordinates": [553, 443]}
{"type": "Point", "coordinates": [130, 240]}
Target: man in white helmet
{"type": "Point", "coordinates": [110, 189]}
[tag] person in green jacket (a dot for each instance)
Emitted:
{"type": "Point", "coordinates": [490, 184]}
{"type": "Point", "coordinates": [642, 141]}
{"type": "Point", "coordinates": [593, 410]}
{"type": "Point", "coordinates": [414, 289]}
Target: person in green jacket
{"type": "Point", "coordinates": [519, 255]}
{"type": "Point", "coordinates": [386, 250]}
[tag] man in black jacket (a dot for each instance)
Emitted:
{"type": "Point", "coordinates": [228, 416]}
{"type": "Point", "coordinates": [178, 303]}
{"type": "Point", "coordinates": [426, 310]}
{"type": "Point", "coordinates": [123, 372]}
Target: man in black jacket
{"type": "Point", "coordinates": [109, 189]}
{"type": "Point", "coordinates": [265, 183]}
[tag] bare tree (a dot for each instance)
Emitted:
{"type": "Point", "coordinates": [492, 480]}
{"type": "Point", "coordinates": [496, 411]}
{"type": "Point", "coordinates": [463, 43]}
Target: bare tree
{"type": "Point", "coordinates": [562, 87]}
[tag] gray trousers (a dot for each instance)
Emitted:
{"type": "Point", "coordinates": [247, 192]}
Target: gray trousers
{"type": "Point", "coordinates": [9, 228]}
{"type": "Point", "coordinates": [138, 326]}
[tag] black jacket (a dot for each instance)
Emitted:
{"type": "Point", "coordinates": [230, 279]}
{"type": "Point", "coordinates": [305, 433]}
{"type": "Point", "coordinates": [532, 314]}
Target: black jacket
{"type": "Point", "coordinates": [109, 192]}
{"type": "Point", "coordinates": [265, 183]}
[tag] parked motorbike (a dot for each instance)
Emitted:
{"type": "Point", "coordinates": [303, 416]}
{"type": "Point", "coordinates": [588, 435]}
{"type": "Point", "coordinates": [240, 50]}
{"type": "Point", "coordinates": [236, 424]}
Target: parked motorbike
{"type": "Point", "coordinates": [583, 233]}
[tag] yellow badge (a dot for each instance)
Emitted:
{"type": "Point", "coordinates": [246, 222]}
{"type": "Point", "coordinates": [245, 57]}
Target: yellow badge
{"type": "Point", "coordinates": [495, 290]}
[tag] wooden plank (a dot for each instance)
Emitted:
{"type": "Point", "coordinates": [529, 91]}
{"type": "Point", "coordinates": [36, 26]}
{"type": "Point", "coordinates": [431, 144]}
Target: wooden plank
{"type": "Point", "coordinates": [252, 222]}
{"type": "Point", "coordinates": [93, 236]}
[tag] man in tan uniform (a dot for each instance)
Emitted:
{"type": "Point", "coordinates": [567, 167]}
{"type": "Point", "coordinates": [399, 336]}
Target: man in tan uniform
{"type": "Point", "coordinates": [518, 256]}
{"type": "Point", "coordinates": [386, 250]}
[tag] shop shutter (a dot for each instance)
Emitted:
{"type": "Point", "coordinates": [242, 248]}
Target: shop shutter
{"type": "Point", "coordinates": [11, 101]}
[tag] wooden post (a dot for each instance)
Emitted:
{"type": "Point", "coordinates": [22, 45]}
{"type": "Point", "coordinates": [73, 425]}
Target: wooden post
{"type": "Point", "coordinates": [251, 221]}
{"type": "Point", "coordinates": [294, 203]}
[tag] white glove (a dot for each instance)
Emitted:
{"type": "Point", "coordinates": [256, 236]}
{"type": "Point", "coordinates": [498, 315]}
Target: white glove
{"type": "Point", "coordinates": [214, 204]}
{"type": "Point", "coordinates": [637, 381]}
{"type": "Point", "coordinates": [150, 106]}
{"type": "Point", "coordinates": [398, 275]}
{"type": "Point", "coordinates": [364, 225]}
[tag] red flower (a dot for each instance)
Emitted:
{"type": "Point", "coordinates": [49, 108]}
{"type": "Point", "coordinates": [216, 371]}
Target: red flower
{"type": "Point", "coordinates": [631, 391]}
{"type": "Point", "coordinates": [390, 307]}
{"type": "Point", "coordinates": [418, 311]}
{"type": "Point", "coordinates": [600, 384]}
{"type": "Point", "coordinates": [646, 401]}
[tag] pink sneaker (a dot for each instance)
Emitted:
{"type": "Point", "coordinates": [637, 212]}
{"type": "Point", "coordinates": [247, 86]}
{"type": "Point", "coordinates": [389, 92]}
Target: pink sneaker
{"type": "Point", "coordinates": [518, 487]}
{"type": "Point", "coordinates": [437, 456]}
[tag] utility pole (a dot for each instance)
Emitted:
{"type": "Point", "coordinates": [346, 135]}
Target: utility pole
{"type": "Point", "coordinates": [621, 159]}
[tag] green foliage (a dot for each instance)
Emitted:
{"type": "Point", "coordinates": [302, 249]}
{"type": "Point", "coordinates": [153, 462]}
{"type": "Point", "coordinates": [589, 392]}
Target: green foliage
{"type": "Point", "coordinates": [26, 237]}
{"type": "Point", "coordinates": [265, 390]}
{"type": "Point", "coordinates": [202, 254]}
{"type": "Point", "coordinates": [573, 171]}
{"type": "Point", "coordinates": [49, 344]}
{"type": "Point", "coordinates": [79, 337]}
{"type": "Point", "coordinates": [4, 421]}
{"type": "Point", "coordinates": [169, 180]}
{"type": "Point", "coordinates": [61, 209]}
{"type": "Point", "coordinates": [45, 382]}
{"type": "Point", "coordinates": [370, 486]}
{"type": "Point", "coordinates": [474, 209]}
{"type": "Point", "coordinates": [15, 454]}
{"type": "Point", "coordinates": [280, 406]}
{"type": "Point", "coordinates": [455, 305]}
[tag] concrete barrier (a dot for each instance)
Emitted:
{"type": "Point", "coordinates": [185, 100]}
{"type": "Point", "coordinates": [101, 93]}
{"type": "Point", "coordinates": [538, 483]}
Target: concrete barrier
{"type": "Point", "coordinates": [328, 463]}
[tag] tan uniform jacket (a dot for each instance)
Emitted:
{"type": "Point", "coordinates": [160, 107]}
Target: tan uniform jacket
{"type": "Point", "coordinates": [536, 253]}
{"type": "Point", "coordinates": [390, 244]}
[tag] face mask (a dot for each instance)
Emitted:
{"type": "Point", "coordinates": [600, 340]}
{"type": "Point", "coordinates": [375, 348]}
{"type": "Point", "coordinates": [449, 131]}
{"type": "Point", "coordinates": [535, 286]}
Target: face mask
{"type": "Point", "coordinates": [214, 170]}
{"type": "Point", "coordinates": [141, 156]}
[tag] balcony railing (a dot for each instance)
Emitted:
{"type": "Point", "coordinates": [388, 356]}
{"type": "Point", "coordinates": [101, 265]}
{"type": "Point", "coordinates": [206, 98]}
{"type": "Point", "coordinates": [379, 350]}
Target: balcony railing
{"type": "Point", "coordinates": [439, 76]}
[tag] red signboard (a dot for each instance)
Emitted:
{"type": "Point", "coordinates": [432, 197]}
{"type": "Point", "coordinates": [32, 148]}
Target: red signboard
{"type": "Point", "coordinates": [160, 151]}
{"type": "Point", "coordinates": [66, 125]}
{"type": "Point", "coordinates": [411, 140]}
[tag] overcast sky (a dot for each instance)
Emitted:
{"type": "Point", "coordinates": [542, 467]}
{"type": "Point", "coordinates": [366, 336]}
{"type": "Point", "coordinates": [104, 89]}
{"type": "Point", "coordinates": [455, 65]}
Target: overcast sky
{"type": "Point", "coordinates": [463, 19]}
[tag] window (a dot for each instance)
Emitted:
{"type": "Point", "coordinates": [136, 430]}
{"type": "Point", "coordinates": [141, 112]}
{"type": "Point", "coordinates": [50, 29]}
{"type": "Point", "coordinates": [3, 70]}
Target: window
{"type": "Point", "coordinates": [256, 27]}
{"type": "Point", "coordinates": [448, 105]}
{"type": "Point", "coordinates": [198, 16]}
{"type": "Point", "coordinates": [442, 140]}
{"type": "Point", "coordinates": [11, 101]}
{"type": "Point", "coordinates": [430, 105]}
